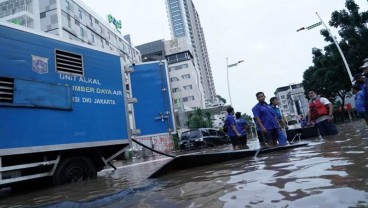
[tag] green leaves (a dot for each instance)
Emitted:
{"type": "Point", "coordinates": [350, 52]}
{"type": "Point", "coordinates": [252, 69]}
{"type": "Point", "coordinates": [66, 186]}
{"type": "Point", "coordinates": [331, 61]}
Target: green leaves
{"type": "Point", "coordinates": [328, 75]}
{"type": "Point", "coordinates": [200, 120]}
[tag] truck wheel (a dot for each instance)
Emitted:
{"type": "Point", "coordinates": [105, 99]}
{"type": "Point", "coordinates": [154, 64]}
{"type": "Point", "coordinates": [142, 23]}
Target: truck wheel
{"type": "Point", "coordinates": [74, 170]}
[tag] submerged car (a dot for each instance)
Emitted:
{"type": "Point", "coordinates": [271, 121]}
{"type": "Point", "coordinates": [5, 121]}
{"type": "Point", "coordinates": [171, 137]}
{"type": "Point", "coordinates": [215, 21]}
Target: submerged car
{"type": "Point", "coordinates": [202, 138]}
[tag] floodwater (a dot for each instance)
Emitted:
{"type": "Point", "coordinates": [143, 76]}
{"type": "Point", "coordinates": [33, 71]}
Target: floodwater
{"type": "Point", "coordinates": [331, 172]}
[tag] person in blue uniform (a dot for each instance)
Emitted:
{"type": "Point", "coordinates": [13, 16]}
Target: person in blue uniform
{"type": "Point", "coordinates": [274, 103]}
{"type": "Point", "coordinates": [241, 126]}
{"type": "Point", "coordinates": [359, 102]}
{"type": "Point", "coordinates": [232, 132]}
{"type": "Point", "coordinates": [267, 124]}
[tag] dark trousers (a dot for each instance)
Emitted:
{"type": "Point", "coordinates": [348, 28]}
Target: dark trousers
{"type": "Point", "coordinates": [243, 140]}
{"type": "Point", "coordinates": [326, 128]}
{"type": "Point", "coordinates": [363, 115]}
{"type": "Point", "coordinates": [270, 137]}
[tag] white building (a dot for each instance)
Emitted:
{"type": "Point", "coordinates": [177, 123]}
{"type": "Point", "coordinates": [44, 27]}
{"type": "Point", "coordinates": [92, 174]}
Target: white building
{"type": "Point", "coordinates": [184, 22]}
{"type": "Point", "coordinates": [185, 81]}
{"type": "Point", "coordinates": [71, 19]}
{"type": "Point", "coordinates": [292, 101]}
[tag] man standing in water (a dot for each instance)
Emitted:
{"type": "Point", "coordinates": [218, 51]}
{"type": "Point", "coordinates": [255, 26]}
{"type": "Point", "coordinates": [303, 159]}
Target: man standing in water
{"type": "Point", "coordinates": [267, 124]}
{"type": "Point", "coordinates": [241, 126]}
{"type": "Point", "coordinates": [274, 103]}
{"type": "Point", "coordinates": [232, 132]}
{"type": "Point", "coordinates": [321, 113]}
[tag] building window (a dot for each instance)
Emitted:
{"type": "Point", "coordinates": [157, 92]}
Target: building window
{"type": "Point", "coordinates": [282, 96]}
{"type": "Point", "coordinates": [82, 32]}
{"type": "Point", "coordinates": [173, 68]}
{"type": "Point", "coordinates": [80, 14]}
{"type": "Point", "coordinates": [101, 30]}
{"type": "Point", "coordinates": [178, 57]}
{"type": "Point", "coordinates": [176, 89]}
{"type": "Point", "coordinates": [174, 79]}
{"type": "Point", "coordinates": [187, 99]}
{"type": "Point", "coordinates": [188, 87]}
{"type": "Point", "coordinates": [92, 38]}
{"type": "Point", "coordinates": [186, 76]}
{"type": "Point", "coordinates": [69, 21]}
{"type": "Point", "coordinates": [67, 5]}
{"type": "Point", "coordinates": [285, 107]}
{"type": "Point", "coordinates": [90, 20]}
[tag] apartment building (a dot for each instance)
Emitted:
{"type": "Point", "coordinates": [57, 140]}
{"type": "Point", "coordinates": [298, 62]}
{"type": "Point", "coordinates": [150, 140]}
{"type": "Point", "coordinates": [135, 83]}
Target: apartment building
{"type": "Point", "coordinates": [184, 22]}
{"type": "Point", "coordinates": [70, 19]}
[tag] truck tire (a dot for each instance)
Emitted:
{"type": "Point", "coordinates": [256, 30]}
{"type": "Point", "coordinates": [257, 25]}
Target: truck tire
{"type": "Point", "coordinates": [74, 170]}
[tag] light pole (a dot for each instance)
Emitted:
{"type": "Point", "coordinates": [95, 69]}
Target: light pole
{"type": "Point", "coordinates": [338, 47]}
{"type": "Point", "coordinates": [227, 73]}
{"type": "Point", "coordinates": [334, 39]}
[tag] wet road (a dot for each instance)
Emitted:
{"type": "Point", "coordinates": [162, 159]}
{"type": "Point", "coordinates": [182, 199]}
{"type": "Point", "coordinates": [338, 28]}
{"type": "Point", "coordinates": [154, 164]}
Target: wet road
{"type": "Point", "coordinates": [327, 173]}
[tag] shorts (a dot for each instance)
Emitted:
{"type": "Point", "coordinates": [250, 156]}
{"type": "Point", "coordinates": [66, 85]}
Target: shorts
{"type": "Point", "coordinates": [243, 140]}
{"type": "Point", "coordinates": [272, 134]}
{"type": "Point", "coordinates": [235, 141]}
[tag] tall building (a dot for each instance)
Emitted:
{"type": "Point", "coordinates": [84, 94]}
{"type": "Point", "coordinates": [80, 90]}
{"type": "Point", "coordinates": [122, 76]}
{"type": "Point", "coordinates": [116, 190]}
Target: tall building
{"type": "Point", "coordinates": [292, 101]}
{"type": "Point", "coordinates": [70, 19]}
{"type": "Point", "coordinates": [184, 22]}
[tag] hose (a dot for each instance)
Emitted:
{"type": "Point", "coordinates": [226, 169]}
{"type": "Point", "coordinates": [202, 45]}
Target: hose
{"type": "Point", "coordinates": [162, 153]}
{"type": "Point", "coordinates": [259, 150]}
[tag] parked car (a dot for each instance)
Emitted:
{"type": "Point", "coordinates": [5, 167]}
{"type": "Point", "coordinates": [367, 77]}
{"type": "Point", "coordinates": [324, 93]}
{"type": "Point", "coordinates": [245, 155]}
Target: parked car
{"type": "Point", "coordinates": [202, 138]}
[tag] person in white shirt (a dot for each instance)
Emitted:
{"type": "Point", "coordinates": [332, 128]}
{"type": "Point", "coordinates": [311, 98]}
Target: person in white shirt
{"type": "Point", "coordinates": [321, 113]}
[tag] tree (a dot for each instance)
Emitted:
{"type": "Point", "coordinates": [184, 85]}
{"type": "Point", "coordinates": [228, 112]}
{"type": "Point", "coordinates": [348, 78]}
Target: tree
{"type": "Point", "coordinates": [221, 98]}
{"type": "Point", "coordinates": [249, 119]}
{"type": "Point", "coordinates": [200, 120]}
{"type": "Point", "coordinates": [328, 76]}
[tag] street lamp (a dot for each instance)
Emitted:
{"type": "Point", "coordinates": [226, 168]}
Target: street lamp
{"type": "Point", "coordinates": [334, 39]}
{"type": "Point", "coordinates": [227, 73]}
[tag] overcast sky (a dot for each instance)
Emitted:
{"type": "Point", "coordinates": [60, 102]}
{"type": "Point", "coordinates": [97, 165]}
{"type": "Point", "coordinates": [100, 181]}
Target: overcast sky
{"type": "Point", "coordinates": [262, 33]}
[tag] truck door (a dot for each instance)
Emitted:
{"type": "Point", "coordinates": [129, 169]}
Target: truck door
{"type": "Point", "coordinates": [153, 111]}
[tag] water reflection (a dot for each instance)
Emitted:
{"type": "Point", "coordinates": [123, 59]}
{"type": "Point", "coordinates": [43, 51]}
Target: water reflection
{"type": "Point", "coordinates": [326, 173]}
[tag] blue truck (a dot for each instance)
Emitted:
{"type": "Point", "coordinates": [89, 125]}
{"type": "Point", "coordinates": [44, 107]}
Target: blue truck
{"type": "Point", "coordinates": [66, 109]}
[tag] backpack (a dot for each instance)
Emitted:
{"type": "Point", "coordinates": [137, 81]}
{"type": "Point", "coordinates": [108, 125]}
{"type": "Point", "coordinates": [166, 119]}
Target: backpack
{"type": "Point", "coordinates": [224, 127]}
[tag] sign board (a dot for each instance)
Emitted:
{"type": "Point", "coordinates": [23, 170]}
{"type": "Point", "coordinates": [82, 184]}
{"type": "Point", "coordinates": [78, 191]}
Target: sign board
{"type": "Point", "coordinates": [177, 45]}
{"type": "Point", "coordinates": [114, 21]}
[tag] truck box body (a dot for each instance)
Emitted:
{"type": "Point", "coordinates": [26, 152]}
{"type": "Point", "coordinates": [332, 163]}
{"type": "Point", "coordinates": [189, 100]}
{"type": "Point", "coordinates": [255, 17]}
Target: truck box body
{"type": "Point", "coordinates": [63, 108]}
{"type": "Point", "coordinates": [51, 107]}
{"type": "Point", "coordinates": [153, 111]}
{"type": "Point", "coordinates": [65, 112]}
